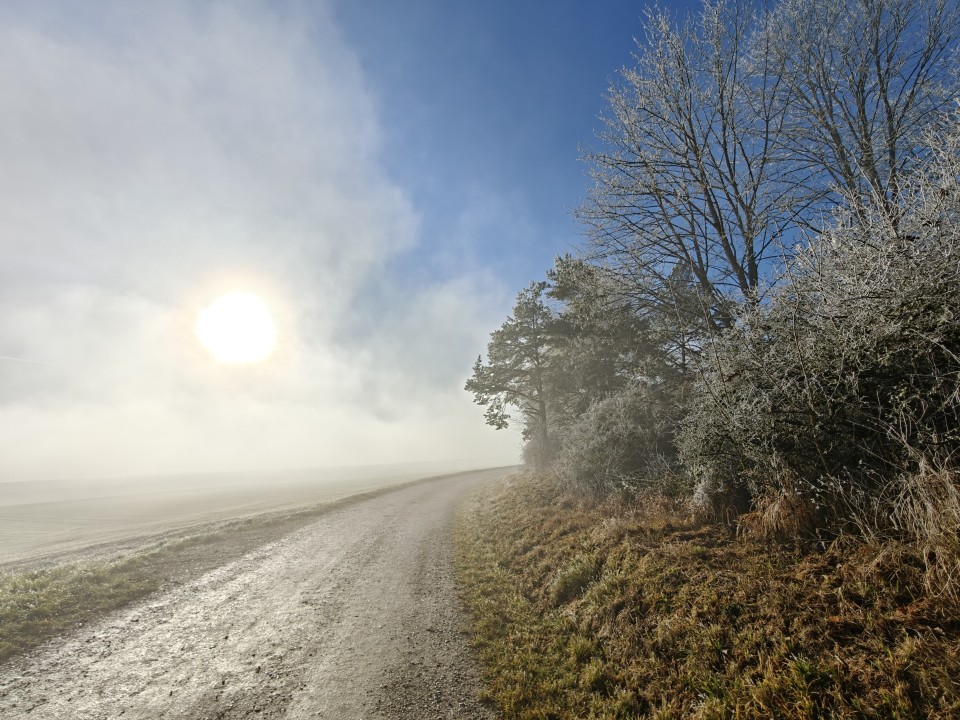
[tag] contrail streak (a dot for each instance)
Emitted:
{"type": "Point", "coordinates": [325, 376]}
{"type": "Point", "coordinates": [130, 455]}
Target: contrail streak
{"type": "Point", "coordinates": [26, 360]}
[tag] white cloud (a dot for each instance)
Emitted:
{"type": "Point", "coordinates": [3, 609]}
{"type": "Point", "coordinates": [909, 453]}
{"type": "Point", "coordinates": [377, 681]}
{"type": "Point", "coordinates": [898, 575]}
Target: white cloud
{"type": "Point", "coordinates": [156, 156]}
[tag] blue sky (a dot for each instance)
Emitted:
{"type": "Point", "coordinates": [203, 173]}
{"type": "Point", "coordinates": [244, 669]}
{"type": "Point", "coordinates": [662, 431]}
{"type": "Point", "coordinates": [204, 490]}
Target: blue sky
{"type": "Point", "coordinates": [385, 175]}
{"type": "Point", "coordinates": [484, 106]}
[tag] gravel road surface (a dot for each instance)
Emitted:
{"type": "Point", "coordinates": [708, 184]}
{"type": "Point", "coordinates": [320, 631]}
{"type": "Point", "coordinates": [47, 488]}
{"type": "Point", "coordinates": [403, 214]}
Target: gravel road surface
{"type": "Point", "coordinates": [352, 616]}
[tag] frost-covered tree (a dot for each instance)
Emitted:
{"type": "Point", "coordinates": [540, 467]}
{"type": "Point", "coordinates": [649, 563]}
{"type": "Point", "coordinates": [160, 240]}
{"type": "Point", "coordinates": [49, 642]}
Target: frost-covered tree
{"type": "Point", "coordinates": [691, 176]}
{"type": "Point", "coordinates": [865, 80]}
{"type": "Point", "coordinates": [738, 128]}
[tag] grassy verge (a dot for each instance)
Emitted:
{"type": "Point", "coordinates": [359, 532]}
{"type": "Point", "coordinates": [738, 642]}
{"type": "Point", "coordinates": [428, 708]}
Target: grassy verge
{"type": "Point", "coordinates": [37, 604]}
{"type": "Point", "coordinates": [588, 611]}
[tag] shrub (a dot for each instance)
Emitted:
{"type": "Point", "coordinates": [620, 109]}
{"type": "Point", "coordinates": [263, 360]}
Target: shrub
{"type": "Point", "coordinates": [624, 443]}
{"type": "Point", "coordinates": [538, 451]}
{"type": "Point", "coordinates": [847, 382]}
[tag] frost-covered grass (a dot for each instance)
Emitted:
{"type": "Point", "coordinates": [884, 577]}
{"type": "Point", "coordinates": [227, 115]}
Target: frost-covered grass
{"type": "Point", "coordinates": [40, 604]}
{"type": "Point", "coordinates": [37, 604]}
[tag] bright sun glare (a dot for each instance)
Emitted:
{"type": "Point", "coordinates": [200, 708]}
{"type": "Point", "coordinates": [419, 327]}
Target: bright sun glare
{"type": "Point", "coordinates": [237, 328]}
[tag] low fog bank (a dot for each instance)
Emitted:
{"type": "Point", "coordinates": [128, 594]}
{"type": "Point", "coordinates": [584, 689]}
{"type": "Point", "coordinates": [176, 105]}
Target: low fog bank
{"type": "Point", "coordinates": [39, 519]}
{"type": "Point", "coordinates": [26, 492]}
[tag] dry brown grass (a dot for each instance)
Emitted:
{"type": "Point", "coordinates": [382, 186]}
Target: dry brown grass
{"type": "Point", "coordinates": [784, 515]}
{"type": "Point", "coordinates": [927, 511]}
{"type": "Point", "coordinates": [682, 620]}
{"type": "Point", "coordinates": [916, 512]}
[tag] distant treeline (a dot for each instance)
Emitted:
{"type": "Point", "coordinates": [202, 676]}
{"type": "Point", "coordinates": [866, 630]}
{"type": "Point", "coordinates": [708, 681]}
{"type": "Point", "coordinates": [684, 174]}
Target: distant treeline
{"type": "Point", "coordinates": [765, 314]}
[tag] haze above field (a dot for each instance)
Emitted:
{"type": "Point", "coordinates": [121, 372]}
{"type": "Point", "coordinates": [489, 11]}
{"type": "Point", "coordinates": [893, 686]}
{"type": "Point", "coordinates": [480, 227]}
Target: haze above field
{"type": "Point", "coordinates": [43, 518]}
{"type": "Point", "coordinates": [385, 176]}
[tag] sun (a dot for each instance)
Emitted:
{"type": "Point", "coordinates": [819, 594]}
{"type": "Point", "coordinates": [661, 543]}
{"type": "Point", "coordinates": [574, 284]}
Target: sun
{"type": "Point", "coordinates": [237, 328]}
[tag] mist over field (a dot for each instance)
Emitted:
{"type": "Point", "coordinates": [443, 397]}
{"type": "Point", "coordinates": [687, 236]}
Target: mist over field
{"type": "Point", "coordinates": [42, 518]}
{"type": "Point", "coordinates": [156, 159]}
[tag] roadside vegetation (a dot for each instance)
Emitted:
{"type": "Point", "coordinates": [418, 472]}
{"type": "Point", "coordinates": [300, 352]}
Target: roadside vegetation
{"type": "Point", "coordinates": [589, 609]}
{"type": "Point", "coordinates": [757, 350]}
{"type": "Point", "coordinates": [38, 605]}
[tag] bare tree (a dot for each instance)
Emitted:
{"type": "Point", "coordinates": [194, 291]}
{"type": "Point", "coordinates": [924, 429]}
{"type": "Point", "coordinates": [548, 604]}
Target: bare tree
{"type": "Point", "coordinates": [693, 176]}
{"type": "Point", "coordinates": [866, 79]}
{"type": "Point", "coordinates": [737, 129]}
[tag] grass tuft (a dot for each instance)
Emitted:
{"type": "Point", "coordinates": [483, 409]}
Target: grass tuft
{"type": "Point", "coordinates": [572, 579]}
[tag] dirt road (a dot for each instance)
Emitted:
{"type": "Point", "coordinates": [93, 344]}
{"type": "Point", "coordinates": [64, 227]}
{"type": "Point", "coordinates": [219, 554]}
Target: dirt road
{"type": "Point", "coordinates": [353, 616]}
